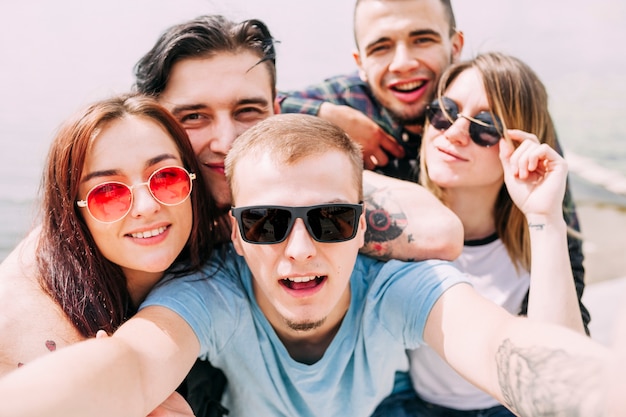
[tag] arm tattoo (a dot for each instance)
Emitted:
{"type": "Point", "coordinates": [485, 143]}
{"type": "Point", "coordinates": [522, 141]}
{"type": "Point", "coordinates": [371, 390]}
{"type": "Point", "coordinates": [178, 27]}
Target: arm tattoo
{"type": "Point", "coordinates": [51, 345]}
{"type": "Point", "coordinates": [385, 220]}
{"type": "Point", "coordinates": [543, 382]}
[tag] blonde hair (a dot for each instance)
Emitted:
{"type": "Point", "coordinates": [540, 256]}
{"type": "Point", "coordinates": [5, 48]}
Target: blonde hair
{"type": "Point", "coordinates": [287, 138]}
{"type": "Point", "coordinates": [520, 100]}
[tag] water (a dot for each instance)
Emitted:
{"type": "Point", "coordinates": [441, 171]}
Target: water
{"type": "Point", "coordinates": [57, 56]}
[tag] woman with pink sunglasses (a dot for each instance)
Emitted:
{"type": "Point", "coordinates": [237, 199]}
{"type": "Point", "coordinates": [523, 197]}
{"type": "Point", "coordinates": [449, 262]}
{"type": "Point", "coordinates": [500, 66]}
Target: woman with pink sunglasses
{"type": "Point", "coordinates": [122, 207]}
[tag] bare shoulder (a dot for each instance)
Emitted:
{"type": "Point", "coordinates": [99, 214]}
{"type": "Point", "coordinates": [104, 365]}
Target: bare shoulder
{"type": "Point", "coordinates": [31, 324]}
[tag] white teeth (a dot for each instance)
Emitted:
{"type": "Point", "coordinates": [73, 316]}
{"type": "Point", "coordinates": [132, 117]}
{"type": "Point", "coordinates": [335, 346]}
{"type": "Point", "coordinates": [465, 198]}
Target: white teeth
{"type": "Point", "coordinates": [409, 86]}
{"type": "Point", "coordinates": [149, 233]}
{"type": "Point", "coordinates": [301, 279]}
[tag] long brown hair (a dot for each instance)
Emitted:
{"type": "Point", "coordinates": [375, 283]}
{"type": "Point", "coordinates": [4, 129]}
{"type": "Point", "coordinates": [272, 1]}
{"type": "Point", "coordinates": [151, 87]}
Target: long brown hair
{"type": "Point", "coordinates": [518, 97]}
{"type": "Point", "coordinates": [90, 289]}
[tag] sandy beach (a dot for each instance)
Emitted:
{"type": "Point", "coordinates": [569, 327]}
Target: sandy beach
{"type": "Point", "coordinates": [602, 216]}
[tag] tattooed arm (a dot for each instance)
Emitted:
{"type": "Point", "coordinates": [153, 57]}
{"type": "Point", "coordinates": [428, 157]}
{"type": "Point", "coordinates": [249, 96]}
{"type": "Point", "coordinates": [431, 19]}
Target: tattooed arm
{"type": "Point", "coordinates": [534, 368]}
{"type": "Point", "coordinates": [405, 221]}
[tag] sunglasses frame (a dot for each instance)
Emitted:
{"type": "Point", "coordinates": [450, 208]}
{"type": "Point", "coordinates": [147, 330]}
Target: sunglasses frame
{"type": "Point", "coordinates": [298, 212]}
{"type": "Point", "coordinates": [85, 203]}
{"type": "Point", "coordinates": [451, 114]}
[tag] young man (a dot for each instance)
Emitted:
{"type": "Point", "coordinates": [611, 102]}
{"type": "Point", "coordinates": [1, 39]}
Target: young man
{"type": "Point", "coordinates": [300, 322]}
{"type": "Point", "coordinates": [403, 47]}
{"type": "Point", "coordinates": [218, 78]}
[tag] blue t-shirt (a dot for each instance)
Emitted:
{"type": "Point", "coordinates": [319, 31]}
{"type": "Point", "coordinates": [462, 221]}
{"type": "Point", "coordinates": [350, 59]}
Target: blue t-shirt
{"type": "Point", "coordinates": [390, 302]}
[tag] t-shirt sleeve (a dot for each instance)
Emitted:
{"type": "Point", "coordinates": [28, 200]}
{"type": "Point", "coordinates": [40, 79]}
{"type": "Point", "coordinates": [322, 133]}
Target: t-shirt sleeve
{"type": "Point", "coordinates": [210, 301]}
{"type": "Point", "coordinates": [407, 294]}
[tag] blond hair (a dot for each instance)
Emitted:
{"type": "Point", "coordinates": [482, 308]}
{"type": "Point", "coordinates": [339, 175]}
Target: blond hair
{"type": "Point", "coordinates": [288, 138]}
{"type": "Point", "coordinates": [520, 100]}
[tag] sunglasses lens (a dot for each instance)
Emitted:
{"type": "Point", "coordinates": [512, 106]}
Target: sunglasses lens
{"type": "Point", "coordinates": [326, 223]}
{"type": "Point", "coordinates": [334, 223]}
{"type": "Point", "coordinates": [109, 202]}
{"type": "Point", "coordinates": [485, 135]}
{"type": "Point", "coordinates": [436, 116]}
{"type": "Point", "coordinates": [265, 225]}
{"type": "Point", "coordinates": [170, 185]}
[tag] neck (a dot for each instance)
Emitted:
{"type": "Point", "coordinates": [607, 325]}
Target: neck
{"type": "Point", "coordinates": [140, 283]}
{"type": "Point", "coordinates": [307, 346]}
{"type": "Point", "coordinates": [475, 209]}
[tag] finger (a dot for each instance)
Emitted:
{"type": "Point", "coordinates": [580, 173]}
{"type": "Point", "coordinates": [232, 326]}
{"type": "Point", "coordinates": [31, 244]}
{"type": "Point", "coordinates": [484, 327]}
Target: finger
{"type": "Point", "coordinates": [370, 161]}
{"type": "Point", "coordinates": [381, 157]}
{"type": "Point", "coordinates": [520, 136]}
{"type": "Point", "coordinates": [391, 145]}
{"type": "Point", "coordinates": [101, 334]}
{"type": "Point", "coordinates": [520, 158]}
{"type": "Point", "coordinates": [505, 154]}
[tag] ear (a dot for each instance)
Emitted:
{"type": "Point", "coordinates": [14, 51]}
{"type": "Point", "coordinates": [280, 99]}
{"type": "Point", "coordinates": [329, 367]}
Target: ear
{"type": "Point", "coordinates": [276, 106]}
{"type": "Point", "coordinates": [360, 234]}
{"type": "Point", "coordinates": [234, 235]}
{"type": "Point", "coordinates": [458, 40]}
{"type": "Point", "coordinates": [357, 60]}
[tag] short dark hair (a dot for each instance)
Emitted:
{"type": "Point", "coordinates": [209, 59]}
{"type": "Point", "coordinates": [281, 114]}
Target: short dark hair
{"type": "Point", "coordinates": [203, 36]}
{"type": "Point", "coordinates": [447, 8]}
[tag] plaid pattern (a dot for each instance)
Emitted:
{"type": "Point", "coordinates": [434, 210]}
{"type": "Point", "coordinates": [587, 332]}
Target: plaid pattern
{"type": "Point", "coordinates": [351, 91]}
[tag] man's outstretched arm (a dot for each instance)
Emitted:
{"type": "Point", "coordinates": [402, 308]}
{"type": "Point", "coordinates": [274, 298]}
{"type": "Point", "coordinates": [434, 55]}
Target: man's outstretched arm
{"type": "Point", "coordinates": [535, 369]}
{"type": "Point", "coordinates": [127, 374]}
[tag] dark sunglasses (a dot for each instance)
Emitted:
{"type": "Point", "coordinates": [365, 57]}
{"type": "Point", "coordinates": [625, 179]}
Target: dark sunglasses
{"type": "Point", "coordinates": [111, 201]}
{"type": "Point", "coordinates": [327, 223]}
{"type": "Point", "coordinates": [485, 129]}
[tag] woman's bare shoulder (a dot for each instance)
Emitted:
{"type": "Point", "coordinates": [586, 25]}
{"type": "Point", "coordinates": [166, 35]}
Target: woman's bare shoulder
{"type": "Point", "coordinates": [31, 323]}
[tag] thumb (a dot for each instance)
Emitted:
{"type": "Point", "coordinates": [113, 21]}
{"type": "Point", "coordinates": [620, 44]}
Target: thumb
{"type": "Point", "coordinates": [101, 334]}
{"type": "Point", "coordinates": [506, 150]}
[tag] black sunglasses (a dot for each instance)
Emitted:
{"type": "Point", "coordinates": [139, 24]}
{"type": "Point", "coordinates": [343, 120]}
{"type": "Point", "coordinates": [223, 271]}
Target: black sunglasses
{"type": "Point", "coordinates": [328, 223]}
{"type": "Point", "coordinates": [485, 129]}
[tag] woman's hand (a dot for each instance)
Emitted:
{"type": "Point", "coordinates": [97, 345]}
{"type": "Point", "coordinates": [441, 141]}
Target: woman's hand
{"type": "Point", "coordinates": [535, 174]}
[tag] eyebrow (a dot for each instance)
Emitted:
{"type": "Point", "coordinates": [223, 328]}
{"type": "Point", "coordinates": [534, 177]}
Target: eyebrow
{"type": "Point", "coordinates": [412, 34]}
{"type": "Point", "coordinates": [187, 107]}
{"type": "Point", "coordinates": [110, 172]}
{"type": "Point", "coordinates": [176, 110]}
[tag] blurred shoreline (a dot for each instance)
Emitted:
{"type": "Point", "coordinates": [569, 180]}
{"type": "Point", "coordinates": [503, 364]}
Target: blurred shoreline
{"type": "Point", "coordinates": [602, 217]}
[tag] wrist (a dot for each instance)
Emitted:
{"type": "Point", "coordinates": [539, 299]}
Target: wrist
{"type": "Point", "coordinates": [538, 222]}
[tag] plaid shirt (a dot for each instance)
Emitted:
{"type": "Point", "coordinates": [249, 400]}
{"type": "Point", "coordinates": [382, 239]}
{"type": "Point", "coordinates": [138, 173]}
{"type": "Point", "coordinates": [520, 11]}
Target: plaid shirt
{"type": "Point", "coordinates": [351, 91]}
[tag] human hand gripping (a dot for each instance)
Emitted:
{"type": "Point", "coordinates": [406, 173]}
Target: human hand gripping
{"type": "Point", "coordinates": [535, 175]}
{"type": "Point", "coordinates": [174, 406]}
{"type": "Point", "coordinates": [374, 141]}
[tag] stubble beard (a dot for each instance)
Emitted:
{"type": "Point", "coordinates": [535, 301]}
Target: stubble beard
{"type": "Point", "coordinates": [305, 326]}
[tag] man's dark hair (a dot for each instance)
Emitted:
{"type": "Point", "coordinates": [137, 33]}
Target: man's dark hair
{"type": "Point", "coordinates": [202, 37]}
{"type": "Point", "coordinates": [447, 7]}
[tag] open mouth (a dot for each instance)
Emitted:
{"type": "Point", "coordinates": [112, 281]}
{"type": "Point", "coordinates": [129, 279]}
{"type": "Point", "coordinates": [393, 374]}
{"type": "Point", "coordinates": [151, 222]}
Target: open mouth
{"type": "Point", "coordinates": [302, 283]}
{"type": "Point", "coordinates": [408, 87]}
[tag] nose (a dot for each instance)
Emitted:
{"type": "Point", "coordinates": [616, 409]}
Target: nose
{"type": "Point", "coordinates": [402, 60]}
{"type": "Point", "coordinates": [300, 245]}
{"type": "Point", "coordinates": [144, 204]}
{"type": "Point", "coordinates": [458, 133]}
{"type": "Point", "coordinates": [223, 132]}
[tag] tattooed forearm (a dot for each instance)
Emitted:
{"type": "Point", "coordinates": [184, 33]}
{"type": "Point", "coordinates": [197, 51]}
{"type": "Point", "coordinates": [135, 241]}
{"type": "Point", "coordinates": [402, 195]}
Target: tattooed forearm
{"type": "Point", "coordinates": [385, 222]}
{"type": "Point", "coordinates": [538, 382]}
